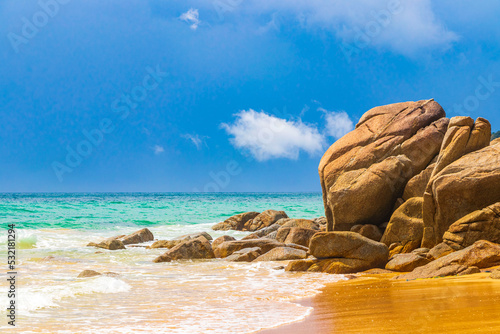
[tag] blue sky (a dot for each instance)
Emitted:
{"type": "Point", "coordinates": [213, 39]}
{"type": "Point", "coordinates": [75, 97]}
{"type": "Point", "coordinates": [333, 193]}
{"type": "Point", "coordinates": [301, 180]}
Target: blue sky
{"type": "Point", "coordinates": [224, 95]}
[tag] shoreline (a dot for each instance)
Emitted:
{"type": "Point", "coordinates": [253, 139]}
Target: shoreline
{"type": "Point", "coordinates": [378, 304]}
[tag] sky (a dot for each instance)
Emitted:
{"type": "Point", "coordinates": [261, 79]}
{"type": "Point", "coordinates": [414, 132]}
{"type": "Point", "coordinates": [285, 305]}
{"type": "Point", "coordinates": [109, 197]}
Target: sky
{"type": "Point", "coordinates": [223, 95]}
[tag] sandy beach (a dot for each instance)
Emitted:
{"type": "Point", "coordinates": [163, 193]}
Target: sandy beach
{"type": "Point", "coordinates": [377, 304]}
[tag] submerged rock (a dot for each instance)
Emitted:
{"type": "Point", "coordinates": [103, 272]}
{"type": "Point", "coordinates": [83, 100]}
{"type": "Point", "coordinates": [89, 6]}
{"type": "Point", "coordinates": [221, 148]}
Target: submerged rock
{"type": "Point", "coordinates": [198, 248]}
{"type": "Point", "coordinates": [282, 254]}
{"type": "Point", "coordinates": [482, 254]}
{"type": "Point", "coordinates": [235, 222]}
{"type": "Point", "coordinates": [89, 273]}
{"type": "Point", "coordinates": [138, 237]}
{"type": "Point", "coordinates": [111, 244]}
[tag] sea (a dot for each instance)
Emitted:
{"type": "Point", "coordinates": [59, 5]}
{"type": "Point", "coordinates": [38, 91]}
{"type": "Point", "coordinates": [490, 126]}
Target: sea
{"type": "Point", "coordinates": [198, 296]}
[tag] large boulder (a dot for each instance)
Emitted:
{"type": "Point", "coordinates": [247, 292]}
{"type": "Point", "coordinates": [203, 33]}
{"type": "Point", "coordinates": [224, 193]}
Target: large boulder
{"type": "Point", "coordinates": [217, 242]}
{"type": "Point", "coordinates": [198, 248]}
{"type": "Point", "coordinates": [229, 247]}
{"type": "Point", "coordinates": [468, 184]}
{"type": "Point", "coordinates": [482, 254]}
{"type": "Point", "coordinates": [174, 242]}
{"type": "Point", "coordinates": [417, 184]}
{"type": "Point", "coordinates": [282, 254]}
{"type": "Point", "coordinates": [370, 231]}
{"type": "Point", "coordinates": [295, 235]}
{"type": "Point", "coordinates": [138, 237]}
{"type": "Point", "coordinates": [478, 225]}
{"type": "Point", "coordinates": [363, 173]}
{"type": "Point", "coordinates": [405, 228]}
{"type": "Point", "coordinates": [302, 223]}
{"type": "Point", "coordinates": [110, 243]}
{"type": "Point", "coordinates": [406, 262]}
{"type": "Point", "coordinates": [264, 219]}
{"type": "Point", "coordinates": [438, 251]}
{"type": "Point", "coordinates": [235, 222]}
{"type": "Point", "coordinates": [342, 253]}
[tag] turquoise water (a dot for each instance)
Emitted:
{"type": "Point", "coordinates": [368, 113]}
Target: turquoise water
{"type": "Point", "coordinates": [104, 210]}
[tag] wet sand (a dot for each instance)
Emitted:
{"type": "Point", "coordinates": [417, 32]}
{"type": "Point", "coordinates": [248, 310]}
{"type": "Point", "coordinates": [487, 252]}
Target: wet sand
{"type": "Point", "coordinates": [377, 304]}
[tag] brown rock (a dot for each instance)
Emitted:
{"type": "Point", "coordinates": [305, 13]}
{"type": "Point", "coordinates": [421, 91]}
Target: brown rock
{"type": "Point", "coordinates": [482, 254]}
{"type": "Point", "coordinates": [302, 223]}
{"type": "Point", "coordinates": [245, 255]}
{"type": "Point", "coordinates": [352, 252]}
{"type": "Point", "coordinates": [88, 273]}
{"type": "Point", "coordinates": [111, 244]}
{"type": "Point", "coordinates": [229, 247]}
{"type": "Point", "coordinates": [405, 229]}
{"type": "Point", "coordinates": [198, 248]}
{"type": "Point", "coordinates": [265, 219]}
{"type": "Point", "coordinates": [495, 274]}
{"type": "Point", "coordinates": [438, 251]}
{"type": "Point", "coordinates": [417, 184]}
{"type": "Point", "coordinates": [174, 242]}
{"type": "Point", "coordinates": [282, 254]}
{"type": "Point", "coordinates": [478, 225]}
{"type": "Point", "coordinates": [263, 232]}
{"type": "Point", "coordinates": [138, 237]}
{"type": "Point", "coordinates": [406, 262]}
{"type": "Point", "coordinates": [235, 222]}
{"type": "Point", "coordinates": [295, 235]}
{"type": "Point", "coordinates": [468, 184]}
{"type": "Point", "coordinates": [331, 266]}
{"type": "Point", "coordinates": [369, 231]}
{"type": "Point", "coordinates": [217, 242]}
{"type": "Point", "coordinates": [363, 173]}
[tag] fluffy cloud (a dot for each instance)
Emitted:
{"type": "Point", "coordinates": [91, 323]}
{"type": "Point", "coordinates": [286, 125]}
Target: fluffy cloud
{"type": "Point", "coordinates": [337, 123]}
{"type": "Point", "coordinates": [192, 17]}
{"type": "Point", "coordinates": [267, 137]}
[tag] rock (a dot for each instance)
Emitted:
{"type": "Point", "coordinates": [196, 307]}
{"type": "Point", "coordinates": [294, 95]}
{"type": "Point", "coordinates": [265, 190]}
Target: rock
{"type": "Point", "coordinates": [406, 262]}
{"type": "Point", "coordinates": [363, 173]}
{"type": "Point", "coordinates": [245, 255]}
{"type": "Point", "coordinates": [292, 245]}
{"type": "Point", "coordinates": [478, 225]}
{"type": "Point", "coordinates": [495, 274]}
{"type": "Point", "coordinates": [468, 184]}
{"type": "Point", "coordinates": [405, 228]}
{"type": "Point", "coordinates": [302, 223]}
{"type": "Point", "coordinates": [417, 184]}
{"type": "Point", "coordinates": [198, 248]}
{"type": "Point", "coordinates": [265, 219]}
{"type": "Point", "coordinates": [229, 247]}
{"type": "Point", "coordinates": [343, 253]}
{"type": "Point", "coordinates": [111, 244]}
{"type": "Point", "coordinates": [369, 231]}
{"type": "Point", "coordinates": [174, 242]}
{"type": "Point", "coordinates": [235, 222]}
{"type": "Point", "coordinates": [295, 235]}
{"type": "Point", "coordinates": [439, 251]}
{"type": "Point", "coordinates": [421, 251]}
{"type": "Point", "coordinates": [377, 271]}
{"type": "Point", "coordinates": [263, 232]}
{"type": "Point", "coordinates": [88, 273]}
{"type": "Point", "coordinates": [217, 242]}
{"type": "Point", "coordinates": [282, 254]}
{"type": "Point", "coordinates": [272, 235]}
{"type": "Point", "coordinates": [482, 254]}
{"type": "Point", "coordinates": [138, 237]}
{"type": "Point", "coordinates": [320, 221]}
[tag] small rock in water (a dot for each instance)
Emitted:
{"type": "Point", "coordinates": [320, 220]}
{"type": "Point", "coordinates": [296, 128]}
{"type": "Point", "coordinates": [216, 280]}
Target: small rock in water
{"type": "Point", "coordinates": [89, 273]}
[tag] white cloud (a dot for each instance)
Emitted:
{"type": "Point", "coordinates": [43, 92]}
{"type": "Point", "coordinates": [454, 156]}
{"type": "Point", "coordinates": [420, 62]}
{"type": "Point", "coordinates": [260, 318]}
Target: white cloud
{"type": "Point", "coordinates": [402, 26]}
{"type": "Point", "coordinates": [195, 139]}
{"type": "Point", "coordinates": [267, 137]}
{"type": "Point", "coordinates": [158, 149]}
{"type": "Point", "coordinates": [191, 16]}
{"type": "Point", "coordinates": [337, 123]}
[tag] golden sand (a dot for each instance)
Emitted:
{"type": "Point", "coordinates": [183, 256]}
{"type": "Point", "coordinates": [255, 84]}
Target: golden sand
{"type": "Point", "coordinates": [468, 304]}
